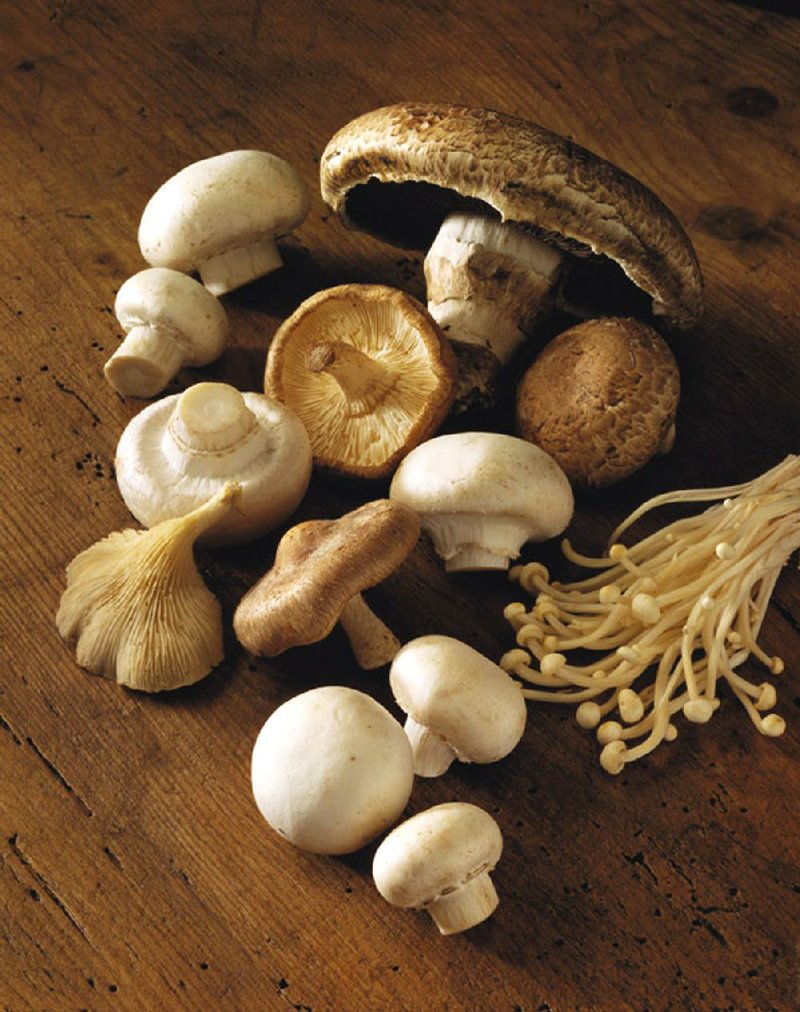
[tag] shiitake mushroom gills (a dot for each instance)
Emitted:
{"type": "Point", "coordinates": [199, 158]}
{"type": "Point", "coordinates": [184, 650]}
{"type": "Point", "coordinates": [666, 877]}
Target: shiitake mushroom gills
{"type": "Point", "coordinates": [508, 197]}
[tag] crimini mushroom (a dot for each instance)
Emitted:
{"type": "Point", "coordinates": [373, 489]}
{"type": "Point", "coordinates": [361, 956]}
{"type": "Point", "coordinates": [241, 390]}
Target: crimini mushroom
{"type": "Point", "coordinates": [685, 604]}
{"type": "Point", "coordinates": [440, 861]}
{"type": "Point", "coordinates": [178, 452]}
{"type": "Point", "coordinates": [398, 172]}
{"type": "Point", "coordinates": [482, 495]}
{"type": "Point", "coordinates": [460, 705]}
{"type": "Point", "coordinates": [331, 770]}
{"type": "Point", "coordinates": [138, 608]}
{"type": "Point", "coordinates": [170, 321]}
{"type": "Point", "coordinates": [601, 399]}
{"type": "Point", "coordinates": [220, 216]}
{"type": "Point", "coordinates": [320, 569]}
{"type": "Point", "coordinates": [367, 371]}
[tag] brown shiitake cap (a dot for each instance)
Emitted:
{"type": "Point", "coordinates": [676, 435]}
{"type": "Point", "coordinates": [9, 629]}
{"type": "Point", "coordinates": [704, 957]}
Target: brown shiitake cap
{"type": "Point", "coordinates": [369, 373]}
{"type": "Point", "coordinates": [601, 399]}
{"type": "Point", "coordinates": [396, 172]}
{"type": "Point", "coordinates": [320, 566]}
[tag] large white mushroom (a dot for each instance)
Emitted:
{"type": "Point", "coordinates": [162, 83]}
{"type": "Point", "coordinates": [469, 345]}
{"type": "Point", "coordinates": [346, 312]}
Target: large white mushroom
{"type": "Point", "coordinates": [482, 495]}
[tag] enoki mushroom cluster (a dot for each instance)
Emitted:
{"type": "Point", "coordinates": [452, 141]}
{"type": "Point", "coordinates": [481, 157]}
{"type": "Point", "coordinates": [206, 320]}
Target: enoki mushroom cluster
{"type": "Point", "coordinates": [673, 616]}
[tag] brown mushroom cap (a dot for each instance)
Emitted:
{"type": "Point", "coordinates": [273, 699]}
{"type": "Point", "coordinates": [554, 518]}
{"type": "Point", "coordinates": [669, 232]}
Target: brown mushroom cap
{"type": "Point", "coordinates": [320, 566]}
{"type": "Point", "coordinates": [601, 399]}
{"type": "Point", "coordinates": [397, 171]}
{"type": "Point", "coordinates": [368, 372]}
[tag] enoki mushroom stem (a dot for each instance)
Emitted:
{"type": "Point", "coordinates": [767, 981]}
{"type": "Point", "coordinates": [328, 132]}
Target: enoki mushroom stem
{"type": "Point", "coordinates": [684, 605]}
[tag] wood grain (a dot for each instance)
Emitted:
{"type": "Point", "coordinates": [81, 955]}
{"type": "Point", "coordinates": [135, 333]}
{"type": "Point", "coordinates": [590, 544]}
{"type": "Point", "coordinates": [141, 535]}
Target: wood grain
{"type": "Point", "coordinates": [135, 872]}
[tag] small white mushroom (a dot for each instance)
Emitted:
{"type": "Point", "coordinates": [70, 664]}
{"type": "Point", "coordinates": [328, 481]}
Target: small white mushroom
{"type": "Point", "coordinates": [439, 861]}
{"type": "Point", "coordinates": [170, 321]}
{"type": "Point", "coordinates": [220, 216]}
{"type": "Point", "coordinates": [482, 495]}
{"type": "Point", "coordinates": [331, 770]}
{"type": "Point", "coordinates": [460, 705]}
{"type": "Point", "coordinates": [178, 451]}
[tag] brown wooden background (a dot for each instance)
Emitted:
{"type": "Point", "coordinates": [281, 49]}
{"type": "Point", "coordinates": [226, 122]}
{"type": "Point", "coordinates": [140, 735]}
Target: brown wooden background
{"type": "Point", "coordinates": [135, 872]}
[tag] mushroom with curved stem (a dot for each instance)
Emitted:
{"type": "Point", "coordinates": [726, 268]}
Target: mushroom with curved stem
{"type": "Point", "coordinates": [331, 770]}
{"type": "Point", "coordinates": [601, 399]}
{"type": "Point", "coordinates": [441, 860]}
{"type": "Point", "coordinates": [178, 451]}
{"type": "Point", "coordinates": [367, 371]}
{"type": "Point", "coordinates": [699, 621]}
{"type": "Point", "coordinates": [459, 704]}
{"type": "Point", "coordinates": [220, 216]}
{"type": "Point", "coordinates": [170, 321]}
{"type": "Point", "coordinates": [482, 495]}
{"type": "Point", "coordinates": [137, 607]}
{"type": "Point", "coordinates": [320, 569]}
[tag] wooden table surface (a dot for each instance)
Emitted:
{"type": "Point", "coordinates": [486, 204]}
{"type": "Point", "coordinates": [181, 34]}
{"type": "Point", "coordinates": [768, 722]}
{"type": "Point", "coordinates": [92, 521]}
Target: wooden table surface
{"type": "Point", "coordinates": [135, 870]}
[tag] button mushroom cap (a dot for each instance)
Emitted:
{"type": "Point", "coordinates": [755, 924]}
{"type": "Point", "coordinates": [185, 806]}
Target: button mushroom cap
{"type": "Point", "coordinates": [482, 495]}
{"type": "Point", "coordinates": [460, 705]}
{"type": "Point", "coordinates": [220, 215]}
{"type": "Point", "coordinates": [396, 172]}
{"type": "Point", "coordinates": [178, 451]}
{"type": "Point", "coordinates": [601, 399]}
{"type": "Point", "coordinates": [331, 770]}
{"type": "Point", "coordinates": [440, 860]}
{"type": "Point", "coordinates": [368, 372]}
{"type": "Point", "coordinates": [171, 321]}
{"type": "Point", "coordinates": [320, 569]}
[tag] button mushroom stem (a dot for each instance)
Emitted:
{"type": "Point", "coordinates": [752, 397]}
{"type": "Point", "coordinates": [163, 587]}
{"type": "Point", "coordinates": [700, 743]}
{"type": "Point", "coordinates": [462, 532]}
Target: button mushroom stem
{"type": "Point", "coordinates": [211, 418]}
{"type": "Point", "coordinates": [236, 267]}
{"type": "Point", "coordinates": [467, 906]}
{"type": "Point", "coordinates": [146, 361]}
{"type": "Point", "coordinates": [373, 643]}
{"type": "Point", "coordinates": [365, 381]}
{"type": "Point", "coordinates": [432, 755]}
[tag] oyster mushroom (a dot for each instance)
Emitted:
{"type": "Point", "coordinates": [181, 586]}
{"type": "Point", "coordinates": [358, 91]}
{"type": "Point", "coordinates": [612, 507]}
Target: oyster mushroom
{"type": "Point", "coordinates": [321, 567]}
{"type": "Point", "coordinates": [137, 607]}
{"type": "Point", "coordinates": [170, 321]}
{"type": "Point", "coordinates": [601, 399]}
{"type": "Point", "coordinates": [220, 216]}
{"type": "Point", "coordinates": [367, 371]}
{"type": "Point", "coordinates": [398, 172]}
{"type": "Point", "coordinates": [459, 704]}
{"type": "Point", "coordinates": [440, 860]}
{"type": "Point", "coordinates": [482, 495]}
{"type": "Point", "coordinates": [178, 452]}
{"type": "Point", "coordinates": [331, 770]}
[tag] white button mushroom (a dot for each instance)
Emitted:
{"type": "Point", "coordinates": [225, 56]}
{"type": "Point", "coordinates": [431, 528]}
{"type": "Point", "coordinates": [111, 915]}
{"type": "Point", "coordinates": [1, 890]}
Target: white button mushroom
{"type": "Point", "coordinates": [460, 705]}
{"type": "Point", "coordinates": [331, 770]}
{"type": "Point", "coordinates": [171, 321]}
{"type": "Point", "coordinates": [177, 452]}
{"type": "Point", "coordinates": [439, 861]}
{"type": "Point", "coordinates": [482, 495]}
{"type": "Point", "coordinates": [220, 216]}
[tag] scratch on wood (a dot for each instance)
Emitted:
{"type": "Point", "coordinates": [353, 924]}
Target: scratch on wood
{"type": "Point", "coordinates": [5, 726]}
{"type": "Point", "coordinates": [84, 404]}
{"type": "Point", "coordinates": [53, 769]}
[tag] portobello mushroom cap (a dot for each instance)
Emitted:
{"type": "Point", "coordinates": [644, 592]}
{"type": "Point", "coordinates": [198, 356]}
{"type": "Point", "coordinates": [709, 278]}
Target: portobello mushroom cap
{"type": "Point", "coordinates": [397, 171]}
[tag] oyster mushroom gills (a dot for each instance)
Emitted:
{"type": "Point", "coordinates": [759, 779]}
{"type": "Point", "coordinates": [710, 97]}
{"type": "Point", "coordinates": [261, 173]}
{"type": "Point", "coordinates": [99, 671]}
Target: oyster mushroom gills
{"type": "Point", "coordinates": [137, 608]}
{"type": "Point", "coordinates": [170, 321]}
{"type": "Point", "coordinates": [440, 860]}
{"type": "Point", "coordinates": [367, 371]}
{"type": "Point", "coordinates": [482, 495]}
{"type": "Point", "coordinates": [179, 451]}
{"type": "Point", "coordinates": [400, 173]}
{"type": "Point", "coordinates": [331, 770]}
{"type": "Point", "coordinates": [601, 399]}
{"type": "Point", "coordinates": [684, 604]}
{"type": "Point", "coordinates": [320, 569]}
{"type": "Point", "coordinates": [220, 217]}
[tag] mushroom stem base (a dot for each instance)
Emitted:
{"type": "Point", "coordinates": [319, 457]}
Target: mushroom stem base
{"type": "Point", "coordinates": [373, 643]}
{"type": "Point", "coordinates": [457, 911]}
{"type": "Point", "coordinates": [432, 755]}
{"type": "Point", "coordinates": [145, 362]}
{"type": "Point", "coordinates": [236, 267]}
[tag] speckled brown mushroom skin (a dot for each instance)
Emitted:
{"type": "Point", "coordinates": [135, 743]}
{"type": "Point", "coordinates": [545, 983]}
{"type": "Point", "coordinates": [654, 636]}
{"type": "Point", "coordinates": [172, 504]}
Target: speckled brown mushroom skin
{"type": "Point", "coordinates": [601, 399]}
{"type": "Point", "coordinates": [523, 173]}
